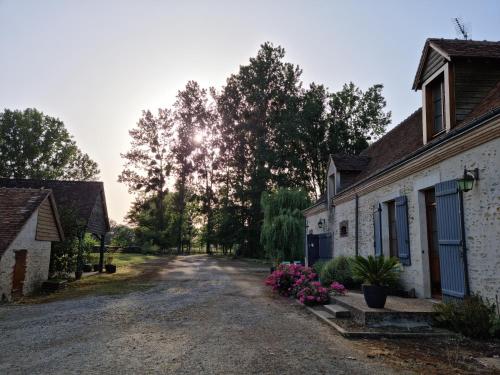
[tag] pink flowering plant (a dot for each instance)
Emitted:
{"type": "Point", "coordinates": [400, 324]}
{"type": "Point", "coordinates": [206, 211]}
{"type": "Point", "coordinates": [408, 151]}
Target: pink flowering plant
{"type": "Point", "coordinates": [338, 289]}
{"type": "Point", "coordinates": [284, 279]}
{"type": "Point", "coordinates": [301, 282]}
{"type": "Point", "coordinates": [313, 294]}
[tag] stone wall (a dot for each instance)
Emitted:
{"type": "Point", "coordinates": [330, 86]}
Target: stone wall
{"type": "Point", "coordinates": [313, 218]}
{"type": "Point", "coordinates": [482, 220]}
{"type": "Point", "coordinates": [37, 260]}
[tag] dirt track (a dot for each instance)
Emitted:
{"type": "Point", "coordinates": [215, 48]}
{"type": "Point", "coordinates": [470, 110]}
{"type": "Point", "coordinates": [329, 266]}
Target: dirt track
{"type": "Point", "coordinates": [203, 316]}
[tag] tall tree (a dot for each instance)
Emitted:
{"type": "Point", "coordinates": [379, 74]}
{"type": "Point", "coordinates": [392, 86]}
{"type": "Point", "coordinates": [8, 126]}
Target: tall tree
{"type": "Point", "coordinates": [34, 145]}
{"type": "Point", "coordinates": [149, 161]}
{"type": "Point", "coordinates": [339, 122]}
{"type": "Point", "coordinates": [355, 118]}
{"type": "Point", "coordinates": [206, 164]}
{"type": "Point", "coordinates": [253, 106]}
{"type": "Point", "coordinates": [191, 117]}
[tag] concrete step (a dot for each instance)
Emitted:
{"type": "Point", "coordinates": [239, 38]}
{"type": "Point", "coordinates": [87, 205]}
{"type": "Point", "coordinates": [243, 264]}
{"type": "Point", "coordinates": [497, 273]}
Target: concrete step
{"type": "Point", "coordinates": [338, 311]}
{"type": "Point", "coordinates": [323, 314]}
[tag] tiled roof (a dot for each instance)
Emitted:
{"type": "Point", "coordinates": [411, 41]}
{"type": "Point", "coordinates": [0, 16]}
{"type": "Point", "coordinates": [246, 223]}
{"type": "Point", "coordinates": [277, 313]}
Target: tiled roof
{"type": "Point", "coordinates": [16, 207]}
{"type": "Point", "coordinates": [467, 48]}
{"type": "Point", "coordinates": [456, 48]}
{"type": "Point", "coordinates": [344, 162]}
{"type": "Point", "coordinates": [77, 196]}
{"type": "Point", "coordinates": [396, 144]}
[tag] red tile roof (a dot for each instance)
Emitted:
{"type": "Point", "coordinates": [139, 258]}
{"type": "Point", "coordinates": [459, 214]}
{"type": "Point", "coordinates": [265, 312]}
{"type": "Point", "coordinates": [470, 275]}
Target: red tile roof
{"type": "Point", "coordinates": [77, 196]}
{"type": "Point", "coordinates": [467, 48]}
{"type": "Point", "coordinates": [455, 48]}
{"type": "Point", "coordinates": [394, 145]}
{"type": "Point", "coordinates": [16, 207]}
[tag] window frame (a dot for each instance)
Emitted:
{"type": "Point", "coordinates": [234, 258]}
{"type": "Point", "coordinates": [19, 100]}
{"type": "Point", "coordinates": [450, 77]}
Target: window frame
{"type": "Point", "coordinates": [432, 132]}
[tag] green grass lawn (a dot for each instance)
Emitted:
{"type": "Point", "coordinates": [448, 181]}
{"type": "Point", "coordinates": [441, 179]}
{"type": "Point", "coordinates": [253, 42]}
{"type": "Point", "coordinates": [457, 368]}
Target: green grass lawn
{"type": "Point", "coordinates": [128, 259]}
{"type": "Point", "coordinates": [131, 275]}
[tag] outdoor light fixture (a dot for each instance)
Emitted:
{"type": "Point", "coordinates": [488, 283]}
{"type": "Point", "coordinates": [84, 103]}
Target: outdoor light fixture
{"type": "Point", "coordinates": [467, 182]}
{"type": "Point", "coordinates": [321, 222]}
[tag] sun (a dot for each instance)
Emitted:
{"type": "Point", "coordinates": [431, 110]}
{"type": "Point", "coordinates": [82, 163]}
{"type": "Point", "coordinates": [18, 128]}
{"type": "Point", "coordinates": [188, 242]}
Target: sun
{"type": "Point", "coordinates": [198, 137]}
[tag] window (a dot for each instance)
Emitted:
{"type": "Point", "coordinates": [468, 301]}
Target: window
{"type": "Point", "coordinates": [436, 106]}
{"type": "Point", "coordinates": [343, 228]}
{"type": "Point", "coordinates": [393, 234]}
{"type": "Point", "coordinates": [331, 185]}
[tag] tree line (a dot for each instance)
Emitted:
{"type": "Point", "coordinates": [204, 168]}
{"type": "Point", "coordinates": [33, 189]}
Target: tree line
{"type": "Point", "coordinates": [198, 169]}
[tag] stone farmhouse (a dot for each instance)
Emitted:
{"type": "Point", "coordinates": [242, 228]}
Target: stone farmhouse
{"type": "Point", "coordinates": [427, 192]}
{"type": "Point", "coordinates": [29, 222]}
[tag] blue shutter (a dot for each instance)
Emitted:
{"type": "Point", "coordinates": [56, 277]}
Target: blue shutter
{"type": "Point", "coordinates": [325, 251]}
{"type": "Point", "coordinates": [377, 230]}
{"type": "Point", "coordinates": [402, 231]}
{"type": "Point", "coordinates": [449, 233]}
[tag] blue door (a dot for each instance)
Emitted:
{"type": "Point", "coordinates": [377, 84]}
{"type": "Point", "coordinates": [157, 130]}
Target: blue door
{"type": "Point", "coordinates": [451, 245]}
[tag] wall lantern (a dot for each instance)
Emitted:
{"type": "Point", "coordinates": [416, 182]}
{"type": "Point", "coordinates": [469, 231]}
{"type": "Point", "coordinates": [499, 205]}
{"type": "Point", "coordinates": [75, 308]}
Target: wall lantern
{"type": "Point", "coordinates": [466, 183]}
{"type": "Point", "coordinates": [321, 223]}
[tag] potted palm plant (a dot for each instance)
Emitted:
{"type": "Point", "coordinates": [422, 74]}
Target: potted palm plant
{"type": "Point", "coordinates": [378, 273]}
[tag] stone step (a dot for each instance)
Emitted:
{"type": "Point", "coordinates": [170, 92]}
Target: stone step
{"type": "Point", "coordinates": [338, 311]}
{"type": "Point", "coordinates": [323, 314]}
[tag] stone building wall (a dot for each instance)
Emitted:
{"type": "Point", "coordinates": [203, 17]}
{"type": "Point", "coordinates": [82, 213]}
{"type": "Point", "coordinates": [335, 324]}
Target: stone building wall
{"type": "Point", "coordinates": [37, 260]}
{"type": "Point", "coordinates": [482, 220]}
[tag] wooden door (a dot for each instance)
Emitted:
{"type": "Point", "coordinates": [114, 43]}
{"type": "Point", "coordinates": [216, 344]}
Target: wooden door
{"type": "Point", "coordinates": [312, 248]}
{"type": "Point", "coordinates": [432, 238]}
{"type": "Point", "coordinates": [19, 273]}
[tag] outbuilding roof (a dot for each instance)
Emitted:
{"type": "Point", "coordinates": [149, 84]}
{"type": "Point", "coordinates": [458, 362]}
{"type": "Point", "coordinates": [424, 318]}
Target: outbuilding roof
{"type": "Point", "coordinates": [81, 197]}
{"type": "Point", "coordinates": [16, 207]}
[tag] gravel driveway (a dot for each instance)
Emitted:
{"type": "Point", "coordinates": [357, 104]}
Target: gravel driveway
{"type": "Point", "coordinates": [203, 316]}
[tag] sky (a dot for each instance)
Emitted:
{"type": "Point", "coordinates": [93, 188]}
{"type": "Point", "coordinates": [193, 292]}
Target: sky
{"type": "Point", "coordinates": [96, 64]}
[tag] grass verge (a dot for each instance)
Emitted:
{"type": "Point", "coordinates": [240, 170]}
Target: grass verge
{"type": "Point", "coordinates": [133, 274]}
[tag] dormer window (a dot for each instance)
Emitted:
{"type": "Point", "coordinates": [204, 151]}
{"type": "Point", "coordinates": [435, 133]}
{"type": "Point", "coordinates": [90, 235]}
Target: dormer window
{"type": "Point", "coordinates": [436, 106]}
{"type": "Point", "coordinates": [437, 99]}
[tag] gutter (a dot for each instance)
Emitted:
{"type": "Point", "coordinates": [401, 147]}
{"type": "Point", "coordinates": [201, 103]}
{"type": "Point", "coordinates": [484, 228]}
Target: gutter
{"type": "Point", "coordinates": [356, 243]}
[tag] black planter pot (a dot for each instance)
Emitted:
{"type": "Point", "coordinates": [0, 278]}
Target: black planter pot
{"type": "Point", "coordinates": [110, 268]}
{"type": "Point", "coordinates": [375, 296]}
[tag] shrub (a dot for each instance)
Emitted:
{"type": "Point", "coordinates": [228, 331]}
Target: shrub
{"type": "Point", "coordinates": [318, 266]}
{"type": "Point", "coordinates": [313, 294]}
{"type": "Point", "coordinates": [300, 282]}
{"type": "Point", "coordinates": [284, 279]}
{"type": "Point", "coordinates": [338, 269]}
{"type": "Point", "coordinates": [473, 317]}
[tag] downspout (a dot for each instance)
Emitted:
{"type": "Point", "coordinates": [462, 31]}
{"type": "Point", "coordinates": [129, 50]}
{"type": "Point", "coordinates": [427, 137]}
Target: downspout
{"type": "Point", "coordinates": [464, 247]}
{"type": "Point", "coordinates": [356, 243]}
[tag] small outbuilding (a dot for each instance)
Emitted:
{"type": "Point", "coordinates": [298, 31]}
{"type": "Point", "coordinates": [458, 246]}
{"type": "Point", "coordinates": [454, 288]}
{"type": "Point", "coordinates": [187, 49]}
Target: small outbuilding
{"type": "Point", "coordinates": [29, 223]}
{"type": "Point", "coordinates": [80, 202]}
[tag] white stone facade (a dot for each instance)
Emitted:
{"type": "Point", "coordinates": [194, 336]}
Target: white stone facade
{"type": "Point", "coordinates": [37, 260]}
{"type": "Point", "coordinates": [482, 220]}
{"type": "Point", "coordinates": [313, 218]}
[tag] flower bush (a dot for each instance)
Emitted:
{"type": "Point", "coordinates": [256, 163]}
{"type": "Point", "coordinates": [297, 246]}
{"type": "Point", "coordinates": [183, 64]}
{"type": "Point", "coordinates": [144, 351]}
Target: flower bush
{"type": "Point", "coordinates": [313, 294]}
{"type": "Point", "coordinates": [301, 282]}
{"type": "Point", "coordinates": [338, 289]}
{"type": "Point", "coordinates": [284, 279]}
